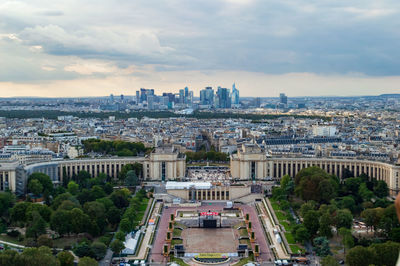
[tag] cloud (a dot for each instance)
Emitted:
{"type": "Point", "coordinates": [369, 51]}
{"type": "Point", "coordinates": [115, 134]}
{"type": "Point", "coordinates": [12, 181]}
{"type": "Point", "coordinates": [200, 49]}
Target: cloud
{"type": "Point", "coordinates": [52, 41]}
{"type": "Point", "coordinates": [112, 41]}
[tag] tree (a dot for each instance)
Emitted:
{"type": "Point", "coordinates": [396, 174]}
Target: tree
{"type": "Point", "coordinates": [10, 257]}
{"type": "Point", "coordinates": [38, 257]}
{"type": "Point", "coordinates": [313, 183]}
{"type": "Point", "coordinates": [83, 249]}
{"type": "Point", "coordinates": [352, 185]}
{"type": "Point", "coordinates": [301, 234]}
{"type": "Point", "coordinates": [120, 235]}
{"type": "Point", "coordinates": [311, 222]}
{"type": "Point", "coordinates": [73, 188]}
{"type": "Point", "coordinates": [395, 234]}
{"type": "Point", "coordinates": [364, 192]}
{"type": "Point", "coordinates": [43, 210]}
{"type": "Point", "coordinates": [97, 192]}
{"type": "Point", "coordinates": [61, 222]}
{"type": "Point", "coordinates": [347, 238]}
{"type": "Point", "coordinates": [344, 218]}
{"type": "Point", "coordinates": [360, 256]}
{"type": "Point", "coordinates": [347, 202]}
{"type": "Point", "coordinates": [372, 217]}
{"type": "Point", "coordinates": [117, 246]}
{"type": "Point", "coordinates": [325, 222]}
{"type": "Point", "coordinates": [386, 253]}
{"type": "Point", "coordinates": [35, 187]}
{"type": "Point", "coordinates": [131, 178]}
{"type": "Point", "coordinates": [96, 212]}
{"type": "Point", "coordinates": [37, 226]}
{"type": "Point", "coordinates": [44, 180]}
{"type": "Point", "coordinates": [98, 250]}
{"type": "Point", "coordinates": [82, 177]}
{"type": "Point", "coordinates": [381, 189]}
{"type": "Point", "coordinates": [18, 212]}
{"type": "Point", "coordinates": [7, 200]}
{"type": "Point", "coordinates": [321, 246]}
{"type": "Point", "coordinates": [305, 207]}
{"type": "Point", "coordinates": [113, 215]}
{"type": "Point", "coordinates": [125, 225]}
{"type": "Point", "coordinates": [65, 258]}
{"type": "Point", "coordinates": [79, 221]}
{"type": "Point", "coordinates": [329, 261]}
{"type": "Point", "coordinates": [44, 240]}
{"type": "Point", "coordinates": [86, 261]}
{"type": "Point", "coordinates": [328, 189]}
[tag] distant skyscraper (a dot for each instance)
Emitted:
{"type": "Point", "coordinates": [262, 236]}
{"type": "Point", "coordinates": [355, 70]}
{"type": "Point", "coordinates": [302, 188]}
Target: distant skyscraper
{"type": "Point", "coordinates": [223, 97]}
{"type": "Point", "coordinates": [122, 97]}
{"type": "Point", "coordinates": [207, 96]}
{"type": "Point", "coordinates": [182, 96]}
{"type": "Point", "coordinates": [137, 97]}
{"type": "Point", "coordinates": [235, 95]}
{"type": "Point", "coordinates": [150, 102]}
{"type": "Point", "coordinates": [283, 98]}
{"type": "Point", "coordinates": [111, 98]}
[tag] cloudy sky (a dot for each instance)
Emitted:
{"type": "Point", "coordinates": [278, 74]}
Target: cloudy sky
{"type": "Point", "coordinates": [98, 47]}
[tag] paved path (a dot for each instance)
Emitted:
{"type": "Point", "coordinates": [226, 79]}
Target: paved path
{"type": "Point", "coordinates": [270, 229]}
{"type": "Point", "coordinates": [145, 243]}
{"type": "Point", "coordinates": [265, 252]}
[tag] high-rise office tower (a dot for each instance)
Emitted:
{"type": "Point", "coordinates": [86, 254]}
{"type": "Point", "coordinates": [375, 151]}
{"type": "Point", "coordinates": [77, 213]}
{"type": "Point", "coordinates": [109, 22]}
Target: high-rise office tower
{"type": "Point", "coordinates": [182, 96]}
{"type": "Point", "coordinates": [137, 97]}
{"type": "Point", "coordinates": [283, 98]}
{"type": "Point", "coordinates": [207, 96]}
{"type": "Point", "coordinates": [223, 97]}
{"type": "Point", "coordinates": [111, 98]}
{"type": "Point", "coordinates": [235, 95]}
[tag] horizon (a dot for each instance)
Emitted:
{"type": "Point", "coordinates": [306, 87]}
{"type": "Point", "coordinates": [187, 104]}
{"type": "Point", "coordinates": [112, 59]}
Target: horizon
{"type": "Point", "coordinates": [298, 48]}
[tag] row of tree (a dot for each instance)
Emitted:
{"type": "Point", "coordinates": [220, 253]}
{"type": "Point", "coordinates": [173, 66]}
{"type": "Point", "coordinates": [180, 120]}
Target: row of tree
{"type": "Point", "coordinates": [117, 147]}
{"type": "Point", "coordinates": [42, 256]}
{"type": "Point", "coordinates": [212, 156]}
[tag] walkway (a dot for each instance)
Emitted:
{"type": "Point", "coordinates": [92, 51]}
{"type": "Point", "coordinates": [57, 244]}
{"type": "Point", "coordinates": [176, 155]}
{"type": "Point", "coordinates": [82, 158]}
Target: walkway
{"type": "Point", "coordinates": [269, 227]}
{"type": "Point", "coordinates": [265, 251]}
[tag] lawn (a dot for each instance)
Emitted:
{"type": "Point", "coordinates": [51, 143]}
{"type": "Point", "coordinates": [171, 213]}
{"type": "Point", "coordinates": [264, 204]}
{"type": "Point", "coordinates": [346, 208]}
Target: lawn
{"type": "Point", "coordinates": [295, 249]}
{"type": "Point", "coordinates": [280, 215]}
{"type": "Point", "coordinates": [176, 242]}
{"type": "Point", "coordinates": [179, 261]}
{"type": "Point", "coordinates": [275, 205]}
{"type": "Point", "coordinates": [244, 261]}
{"type": "Point", "coordinates": [13, 240]}
{"type": "Point", "coordinates": [243, 232]}
{"type": "Point", "coordinates": [290, 238]}
{"type": "Point", "coordinates": [287, 226]}
{"type": "Point", "coordinates": [177, 232]}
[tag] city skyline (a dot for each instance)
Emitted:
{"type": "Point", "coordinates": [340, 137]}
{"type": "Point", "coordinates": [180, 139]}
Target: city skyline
{"type": "Point", "coordinates": [300, 48]}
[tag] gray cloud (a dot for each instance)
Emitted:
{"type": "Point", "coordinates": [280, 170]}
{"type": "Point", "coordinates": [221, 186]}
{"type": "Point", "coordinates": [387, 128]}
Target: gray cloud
{"type": "Point", "coordinates": [271, 37]}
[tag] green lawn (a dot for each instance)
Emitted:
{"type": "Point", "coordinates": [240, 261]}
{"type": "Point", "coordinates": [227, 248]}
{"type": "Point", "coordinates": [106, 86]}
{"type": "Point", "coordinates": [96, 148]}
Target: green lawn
{"type": "Point", "coordinates": [287, 226]}
{"type": "Point", "coordinates": [275, 205]}
{"type": "Point", "coordinates": [176, 242]}
{"type": "Point", "coordinates": [13, 240]}
{"type": "Point", "coordinates": [280, 215]}
{"type": "Point", "coordinates": [244, 260]}
{"type": "Point", "coordinates": [243, 232]}
{"type": "Point", "coordinates": [177, 232]}
{"type": "Point", "coordinates": [295, 249]}
{"type": "Point", "coordinates": [179, 261]}
{"type": "Point", "coordinates": [290, 238]}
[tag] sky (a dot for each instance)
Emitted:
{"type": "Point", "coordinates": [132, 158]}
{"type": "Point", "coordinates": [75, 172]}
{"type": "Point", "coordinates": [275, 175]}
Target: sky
{"type": "Point", "coordinates": [80, 48]}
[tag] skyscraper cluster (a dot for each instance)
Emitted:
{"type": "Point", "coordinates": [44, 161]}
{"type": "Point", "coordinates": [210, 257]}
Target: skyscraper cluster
{"type": "Point", "coordinates": [223, 97]}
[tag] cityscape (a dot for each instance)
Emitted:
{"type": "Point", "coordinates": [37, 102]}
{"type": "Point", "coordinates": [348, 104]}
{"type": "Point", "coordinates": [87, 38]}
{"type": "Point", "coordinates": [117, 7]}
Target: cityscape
{"type": "Point", "coordinates": [229, 132]}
